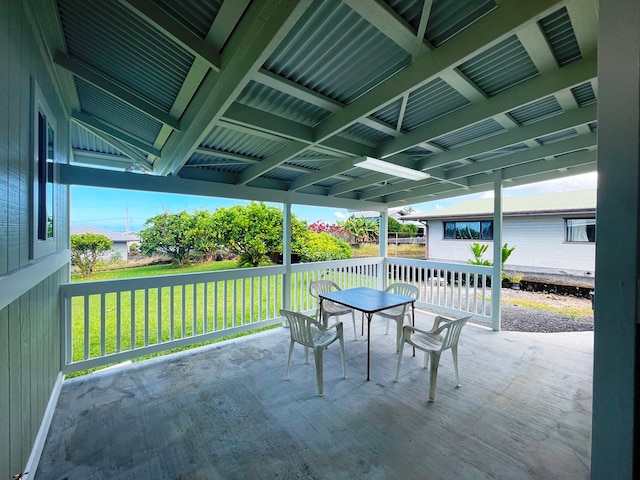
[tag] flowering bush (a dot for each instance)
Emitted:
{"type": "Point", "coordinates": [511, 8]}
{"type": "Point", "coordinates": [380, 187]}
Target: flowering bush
{"type": "Point", "coordinates": [331, 228]}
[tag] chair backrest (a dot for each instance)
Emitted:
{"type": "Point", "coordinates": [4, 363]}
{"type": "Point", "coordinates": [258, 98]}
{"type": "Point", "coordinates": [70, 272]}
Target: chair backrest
{"type": "Point", "coordinates": [404, 289]}
{"type": "Point", "coordinates": [299, 327]}
{"type": "Point", "coordinates": [453, 328]}
{"type": "Point", "coordinates": [322, 286]}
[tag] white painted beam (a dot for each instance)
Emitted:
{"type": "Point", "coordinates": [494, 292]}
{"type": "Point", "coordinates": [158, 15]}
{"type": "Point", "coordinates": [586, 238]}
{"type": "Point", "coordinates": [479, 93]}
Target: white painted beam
{"type": "Point", "coordinates": [284, 85]}
{"type": "Point", "coordinates": [325, 172]}
{"type": "Point", "coordinates": [73, 175]}
{"type": "Point", "coordinates": [541, 86]}
{"type": "Point", "coordinates": [115, 89]}
{"type": "Point", "coordinates": [515, 136]}
{"type": "Point", "coordinates": [462, 85]}
{"type": "Point", "coordinates": [259, 32]}
{"type": "Point", "coordinates": [539, 129]}
{"type": "Point", "coordinates": [584, 20]}
{"type": "Point", "coordinates": [43, 15]}
{"type": "Point", "coordinates": [175, 30]}
{"type": "Point", "coordinates": [282, 155]}
{"type": "Point", "coordinates": [267, 122]}
{"type": "Point", "coordinates": [135, 155]}
{"type": "Point", "coordinates": [87, 120]}
{"type": "Point", "coordinates": [387, 21]}
{"type": "Point", "coordinates": [487, 31]}
{"type": "Point", "coordinates": [542, 166]}
{"type": "Point", "coordinates": [554, 168]}
{"type": "Point", "coordinates": [483, 184]}
{"type": "Point", "coordinates": [536, 45]}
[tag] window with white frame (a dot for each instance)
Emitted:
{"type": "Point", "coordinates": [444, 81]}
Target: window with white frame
{"type": "Point", "coordinates": [43, 147]}
{"type": "Point", "coordinates": [581, 230]}
{"type": "Point", "coordinates": [469, 230]}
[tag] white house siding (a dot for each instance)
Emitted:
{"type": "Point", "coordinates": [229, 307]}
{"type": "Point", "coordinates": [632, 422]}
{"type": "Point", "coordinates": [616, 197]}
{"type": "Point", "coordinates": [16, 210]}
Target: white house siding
{"type": "Point", "coordinates": [120, 249]}
{"type": "Point", "coordinates": [539, 242]}
{"type": "Point", "coordinates": [29, 307]}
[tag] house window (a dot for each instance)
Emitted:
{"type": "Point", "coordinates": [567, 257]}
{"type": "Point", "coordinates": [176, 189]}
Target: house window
{"type": "Point", "coordinates": [472, 230]}
{"type": "Point", "coordinates": [43, 147]}
{"type": "Point", "coordinates": [581, 230]}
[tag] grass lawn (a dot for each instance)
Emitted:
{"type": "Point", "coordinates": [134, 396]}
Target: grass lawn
{"type": "Point", "coordinates": [154, 270]}
{"type": "Point", "coordinates": [575, 313]}
{"type": "Point", "coordinates": [402, 251]}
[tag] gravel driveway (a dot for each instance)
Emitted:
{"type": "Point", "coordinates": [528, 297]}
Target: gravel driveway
{"type": "Point", "coordinates": [521, 319]}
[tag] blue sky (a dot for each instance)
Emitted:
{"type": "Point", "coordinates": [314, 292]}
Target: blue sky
{"type": "Point", "coordinates": [109, 208]}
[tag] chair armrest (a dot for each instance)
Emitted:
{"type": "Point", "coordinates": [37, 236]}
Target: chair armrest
{"type": "Point", "coordinates": [436, 324]}
{"type": "Point", "coordinates": [409, 328]}
{"type": "Point", "coordinates": [338, 326]}
{"type": "Point", "coordinates": [318, 324]}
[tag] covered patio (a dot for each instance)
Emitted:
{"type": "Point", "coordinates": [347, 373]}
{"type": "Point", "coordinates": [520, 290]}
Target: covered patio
{"type": "Point", "coordinates": [225, 411]}
{"type": "Point", "coordinates": [280, 101]}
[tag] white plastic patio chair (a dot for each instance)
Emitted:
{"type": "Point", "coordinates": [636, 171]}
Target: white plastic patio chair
{"type": "Point", "coordinates": [443, 336]}
{"type": "Point", "coordinates": [329, 309]}
{"type": "Point", "coordinates": [312, 334]}
{"type": "Point", "coordinates": [399, 313]}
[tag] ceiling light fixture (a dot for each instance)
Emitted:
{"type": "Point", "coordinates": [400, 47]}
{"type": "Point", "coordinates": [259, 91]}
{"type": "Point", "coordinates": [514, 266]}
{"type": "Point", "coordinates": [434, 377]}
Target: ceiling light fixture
{"type": "Point", "coordinates": [390, 168]}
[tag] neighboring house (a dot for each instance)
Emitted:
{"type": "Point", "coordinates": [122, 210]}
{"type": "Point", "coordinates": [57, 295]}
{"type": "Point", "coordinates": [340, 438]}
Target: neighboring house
{"type": "Point", "coordinates": [121, 241]}
{"type": "Point", "coordinates": [397, 213]}
{"type": "Point", "coordinates": [552, 233]}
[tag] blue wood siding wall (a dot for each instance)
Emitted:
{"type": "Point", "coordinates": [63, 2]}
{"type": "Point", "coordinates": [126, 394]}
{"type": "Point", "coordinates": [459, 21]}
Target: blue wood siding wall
{"type": "Point", "coordinates": [30, 323]}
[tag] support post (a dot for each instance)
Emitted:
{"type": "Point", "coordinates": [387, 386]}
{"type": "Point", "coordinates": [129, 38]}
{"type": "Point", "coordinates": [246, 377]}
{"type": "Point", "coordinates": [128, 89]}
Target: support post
{"type": "Point", "coordinates": [286, 258]}
{"type": "Point", "coordinates": [383, 233]}
{"type": "Point", "coordinates": [615, 446]}
{"type": "Point", "coordinates": [496, 276]}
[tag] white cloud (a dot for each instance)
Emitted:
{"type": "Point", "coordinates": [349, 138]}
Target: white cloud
{"type": "Point", "coordinates": [340, 215]}
{"type": "Point", "coordinates": [566, 184]}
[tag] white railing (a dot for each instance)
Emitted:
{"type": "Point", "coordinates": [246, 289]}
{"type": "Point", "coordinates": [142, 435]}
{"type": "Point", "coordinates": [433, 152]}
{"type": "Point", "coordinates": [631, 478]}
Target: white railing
{"type": "Point", "coordinates": [451, 288]}
{"type": "Point", "coordinates": [115, 320]}
{"type": "Point", "coordinates": [363, 272]}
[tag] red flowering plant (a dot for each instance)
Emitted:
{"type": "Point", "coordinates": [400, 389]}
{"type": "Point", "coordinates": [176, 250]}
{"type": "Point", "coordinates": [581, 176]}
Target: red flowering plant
{"type": "Point", "coordinates": [331, 228]}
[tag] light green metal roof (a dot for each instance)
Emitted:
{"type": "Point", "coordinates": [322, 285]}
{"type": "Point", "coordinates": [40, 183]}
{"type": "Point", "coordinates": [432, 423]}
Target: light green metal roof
{"type": "Point", "coordinates": [237, 94]}
{"type": "Point", "coordinates": [545, 203]}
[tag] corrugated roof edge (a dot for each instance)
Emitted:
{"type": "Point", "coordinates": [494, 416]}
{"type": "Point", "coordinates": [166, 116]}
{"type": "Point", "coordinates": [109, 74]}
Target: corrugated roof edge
{"type": "Point", "coordinates": [518, 205]}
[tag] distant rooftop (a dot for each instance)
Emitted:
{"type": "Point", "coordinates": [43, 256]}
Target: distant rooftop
{"type": "Point", "coordinates": [558, 202]}
{"type": "Point", "coordinates": [113, 236]}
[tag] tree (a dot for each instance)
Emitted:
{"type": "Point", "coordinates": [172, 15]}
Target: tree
{"type": "Point", "coordinates": [406, 229]}
{"type": "Point", "coordinates": [393, 225]}
{"type": "Point", "coordinates": [86, 249]}
{"type": "Point", "coordinates": [409, 229]}
{"type": "Point", "coordinates": [173, 234]}
{"type": "Point", "coordinates": [363, 229]}
{"type": "Point", "coordinates": [208, 239]}
{"type": "Point", "coordinates": [252, 232]}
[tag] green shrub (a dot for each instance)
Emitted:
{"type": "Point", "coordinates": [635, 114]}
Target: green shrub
{"type": "Point", "coordinates": [318, 247]}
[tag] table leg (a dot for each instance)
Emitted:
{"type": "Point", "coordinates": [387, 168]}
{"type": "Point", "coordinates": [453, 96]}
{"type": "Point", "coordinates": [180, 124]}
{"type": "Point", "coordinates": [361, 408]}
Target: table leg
{"type": "Point", "coordinates": [369, 315]}
{"type": "Point", "coordinates": [413, 321]}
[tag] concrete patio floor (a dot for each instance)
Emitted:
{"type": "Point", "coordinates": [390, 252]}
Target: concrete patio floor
{"type": "Point", "coordinates": [226, 412]}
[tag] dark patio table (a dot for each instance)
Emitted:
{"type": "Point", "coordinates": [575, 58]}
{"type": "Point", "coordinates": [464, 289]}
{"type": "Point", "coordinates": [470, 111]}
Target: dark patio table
{"type": "Point", "coordinates": [368, 301]}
